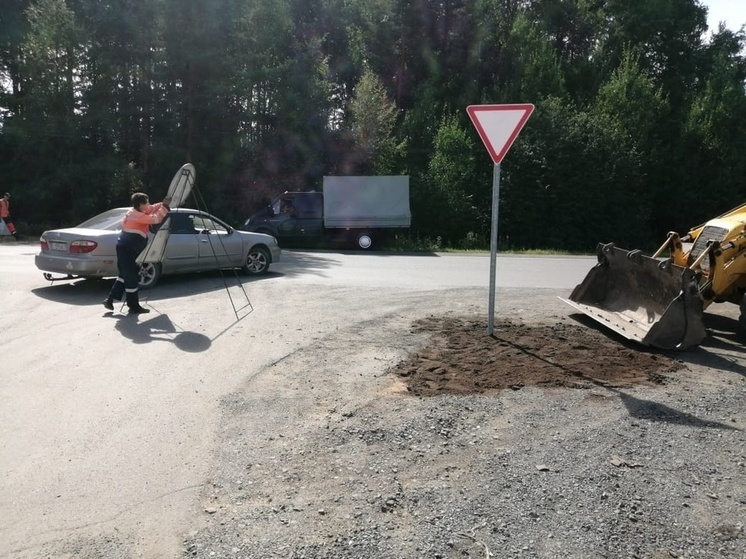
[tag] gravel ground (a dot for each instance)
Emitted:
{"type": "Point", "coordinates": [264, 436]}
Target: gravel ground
{"type": "Point", "coordinates": [338, 451]}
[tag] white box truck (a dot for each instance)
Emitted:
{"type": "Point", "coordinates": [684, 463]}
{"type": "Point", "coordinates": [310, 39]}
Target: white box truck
{"type": "Point", "coordinates": [353, 210]}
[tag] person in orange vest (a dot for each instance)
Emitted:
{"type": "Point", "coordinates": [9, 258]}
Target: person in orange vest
{"type": "Point", "coordinates": [5, 215]}
{"type": "Point", "coordinates": [132, 241]}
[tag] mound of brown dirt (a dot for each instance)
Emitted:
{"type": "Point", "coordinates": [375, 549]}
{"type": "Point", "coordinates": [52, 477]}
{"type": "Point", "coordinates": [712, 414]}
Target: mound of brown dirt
{"type": "Point", "coordinates": [463, 359]}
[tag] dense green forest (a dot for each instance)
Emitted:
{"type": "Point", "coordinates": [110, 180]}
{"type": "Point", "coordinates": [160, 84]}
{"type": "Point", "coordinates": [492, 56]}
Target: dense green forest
{"type": "Point", "coordinates": [639, 127]}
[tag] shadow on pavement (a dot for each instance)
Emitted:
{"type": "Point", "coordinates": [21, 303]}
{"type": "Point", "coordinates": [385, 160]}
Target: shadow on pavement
{"type": "Point", "coordinates": [640, 408]}
{"type": "Point", "coordinates": [93, 291]}
{"type": "Point", "coordinates": [159, 328]}
{"type": "Point", "coordinates": [723, 349]}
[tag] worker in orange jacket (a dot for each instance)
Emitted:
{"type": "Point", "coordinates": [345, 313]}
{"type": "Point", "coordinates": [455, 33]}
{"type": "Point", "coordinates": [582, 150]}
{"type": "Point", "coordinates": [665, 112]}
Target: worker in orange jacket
{"type": "Point", "coordinates": [5, 215]}
{"type": "Point", "coordinates": [132, 241]}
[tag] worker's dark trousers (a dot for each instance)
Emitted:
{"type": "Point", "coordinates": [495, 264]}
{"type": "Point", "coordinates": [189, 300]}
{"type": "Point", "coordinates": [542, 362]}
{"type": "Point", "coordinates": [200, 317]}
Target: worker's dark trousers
{"type": "Point", "coordinates": [129, 277]}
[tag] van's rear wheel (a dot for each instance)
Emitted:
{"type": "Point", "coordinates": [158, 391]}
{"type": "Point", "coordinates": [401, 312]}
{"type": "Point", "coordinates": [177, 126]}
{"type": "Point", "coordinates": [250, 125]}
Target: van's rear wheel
{"type": "Point", "coordinates": [365, 240]}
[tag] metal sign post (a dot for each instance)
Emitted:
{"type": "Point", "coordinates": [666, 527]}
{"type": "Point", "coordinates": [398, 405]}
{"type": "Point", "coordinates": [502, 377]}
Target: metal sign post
{"type": "Point", "coordinates": [498, 126]}
{"type": "Point", "coordinates": [493, 248]}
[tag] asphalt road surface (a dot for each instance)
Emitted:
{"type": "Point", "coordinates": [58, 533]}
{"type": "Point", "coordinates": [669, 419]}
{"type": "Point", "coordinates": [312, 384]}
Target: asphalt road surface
{"type": "Point", "coordinates": [109, 422]}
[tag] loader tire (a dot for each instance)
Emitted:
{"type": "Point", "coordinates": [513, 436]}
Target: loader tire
{"type": "Point", "coordinates": [742, 317]}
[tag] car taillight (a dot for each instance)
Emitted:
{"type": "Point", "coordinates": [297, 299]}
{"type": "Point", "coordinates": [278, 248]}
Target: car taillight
{"type": "Point", "coordinates": [44, 244]}
{"type": "Point", "coordinates": [82, 247]}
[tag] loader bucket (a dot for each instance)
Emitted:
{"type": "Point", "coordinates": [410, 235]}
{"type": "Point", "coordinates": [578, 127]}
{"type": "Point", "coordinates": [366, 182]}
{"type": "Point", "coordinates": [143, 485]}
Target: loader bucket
{"type": "Point", "coordinates": [651, 301]}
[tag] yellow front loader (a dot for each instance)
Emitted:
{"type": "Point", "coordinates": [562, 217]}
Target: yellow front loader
{"type": "Point", "coordinates": [659, 300]}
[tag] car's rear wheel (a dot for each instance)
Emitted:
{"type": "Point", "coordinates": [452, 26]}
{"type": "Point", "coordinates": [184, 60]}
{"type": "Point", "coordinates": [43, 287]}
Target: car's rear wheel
{"type": "Point", "coordinates": [257, 261]}
{"type": "Point", "coordinates": [150, 273]}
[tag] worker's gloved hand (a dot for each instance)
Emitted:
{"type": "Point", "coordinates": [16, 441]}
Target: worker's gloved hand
{"type": "Point", "coordinates": [167, 202]}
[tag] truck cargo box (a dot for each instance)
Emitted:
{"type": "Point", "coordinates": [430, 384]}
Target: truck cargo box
{"type": "Point", "coordinates": [366, 202]}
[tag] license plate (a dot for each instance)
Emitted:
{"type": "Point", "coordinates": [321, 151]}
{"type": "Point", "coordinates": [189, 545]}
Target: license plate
{"type": "Point", "coordinates": [59, 246]}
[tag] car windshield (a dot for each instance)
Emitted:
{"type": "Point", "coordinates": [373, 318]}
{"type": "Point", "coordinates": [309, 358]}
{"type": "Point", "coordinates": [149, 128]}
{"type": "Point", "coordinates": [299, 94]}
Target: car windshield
{"type": "Point", "coordinates": [108, 221]}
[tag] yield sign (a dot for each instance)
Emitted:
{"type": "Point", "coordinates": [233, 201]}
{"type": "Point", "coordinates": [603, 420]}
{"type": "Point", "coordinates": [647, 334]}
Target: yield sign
{"type": "Point", "coordinates": [499, 126]}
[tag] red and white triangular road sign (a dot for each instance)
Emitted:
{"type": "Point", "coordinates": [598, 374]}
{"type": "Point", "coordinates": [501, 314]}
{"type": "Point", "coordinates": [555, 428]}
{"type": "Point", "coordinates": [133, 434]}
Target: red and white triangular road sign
{"type": "Point", "coordinates": [499, 126]}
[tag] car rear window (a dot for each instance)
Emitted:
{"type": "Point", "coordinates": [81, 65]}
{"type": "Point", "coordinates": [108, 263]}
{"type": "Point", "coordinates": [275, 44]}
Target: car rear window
{"type": "Point", "coordinates": [108, 221]}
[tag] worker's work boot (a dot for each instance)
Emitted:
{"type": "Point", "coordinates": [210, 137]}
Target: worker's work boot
{"type": "Point", "coordinates": [139, 310]}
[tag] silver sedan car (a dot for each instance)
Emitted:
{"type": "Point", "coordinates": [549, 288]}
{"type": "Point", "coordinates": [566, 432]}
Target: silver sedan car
{"type": "Point", "coordinates": [198, 242]}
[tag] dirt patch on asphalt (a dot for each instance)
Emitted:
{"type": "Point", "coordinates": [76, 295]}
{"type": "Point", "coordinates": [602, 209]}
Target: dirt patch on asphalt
{"type": "Point", "coordinates": [463, 359]}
